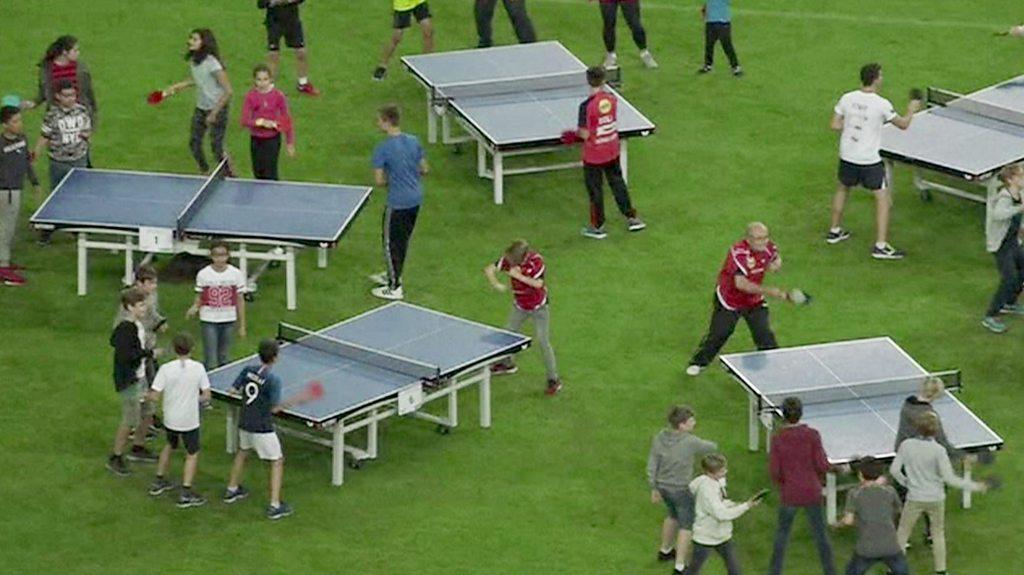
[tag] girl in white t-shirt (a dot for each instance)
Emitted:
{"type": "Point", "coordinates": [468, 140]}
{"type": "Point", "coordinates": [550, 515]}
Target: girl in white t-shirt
{"type": "Point", "coordinates": [220, 304]}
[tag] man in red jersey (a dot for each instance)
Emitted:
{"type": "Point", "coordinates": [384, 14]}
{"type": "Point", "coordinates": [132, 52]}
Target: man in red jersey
{"type": "Point", "coordinates": [740, 293]}
{"type": "Point", "coordinates": [599, 131]}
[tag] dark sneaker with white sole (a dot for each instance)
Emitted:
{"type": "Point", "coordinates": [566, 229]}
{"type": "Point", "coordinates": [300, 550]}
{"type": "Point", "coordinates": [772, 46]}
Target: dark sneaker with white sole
{"type": "Point", "coordinates": [160, 486]}
{"type": "Point", "coordinates": [836, 237]}
{"type": "Point", "coordinates": [233, 495]}
{"type": "Point", "coordinates": [886, 252]}
{"type": "Point", "coordinates": [279, 512]}
{"type": "Point", "coordinates": [594, 233]}
{"type": "Point", "coordinates": [635, 224]}
{"type": "Point", "coordinates": [190, 499]}
{"type": "Point", "coordinates": [140, 454]}
{"type": "Point", "coordinates": [117, 466]}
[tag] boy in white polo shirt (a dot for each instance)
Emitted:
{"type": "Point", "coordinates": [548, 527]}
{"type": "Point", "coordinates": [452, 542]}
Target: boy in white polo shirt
{"type": "Point", "coordinates": [220, 304]}
{"type": "Point", "coordinates": [181, 381]}
{"type": "Point", "coordinates": [859, 116]}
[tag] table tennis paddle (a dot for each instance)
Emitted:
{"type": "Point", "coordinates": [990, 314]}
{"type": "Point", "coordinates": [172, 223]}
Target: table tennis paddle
{"type": "Point", "coordinates": [155, 97]}
{"type": "Point", "coordinates": [916, 94]}
{"type": "Point", "coordinates": [570, 137]}
{"type": "Point", "coordinates": [315, 390]}
{"type": "Point", "coordinates": [760, 495]}
{"type": "Point", "coordinates": [799, 297]}
{"type": "Point", "coordinates": [993, 483]}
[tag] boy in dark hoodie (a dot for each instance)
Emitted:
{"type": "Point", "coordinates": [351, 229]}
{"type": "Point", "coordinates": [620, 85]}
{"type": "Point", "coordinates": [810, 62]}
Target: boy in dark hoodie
{"type": "Point", "coordinates": [669, 471]}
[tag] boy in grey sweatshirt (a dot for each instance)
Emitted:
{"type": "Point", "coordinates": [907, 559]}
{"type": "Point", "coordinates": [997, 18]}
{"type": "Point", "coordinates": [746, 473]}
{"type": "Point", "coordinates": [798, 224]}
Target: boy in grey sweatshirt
{"type": "Point", "coordinates": [669, 470]}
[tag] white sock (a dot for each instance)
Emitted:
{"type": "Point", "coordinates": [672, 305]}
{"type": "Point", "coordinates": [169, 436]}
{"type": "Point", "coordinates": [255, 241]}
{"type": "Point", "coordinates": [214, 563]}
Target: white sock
{"type": "Point", "coordinates": [835, 230]}
{"type": "Point", "coordinates": [663, 550]}
{"type": "Point", "coordinates": [680, 567]}
{"type": "Point", "coordinates": [303, 80]}
{"type": "Point", "coordinates": [881, 245]}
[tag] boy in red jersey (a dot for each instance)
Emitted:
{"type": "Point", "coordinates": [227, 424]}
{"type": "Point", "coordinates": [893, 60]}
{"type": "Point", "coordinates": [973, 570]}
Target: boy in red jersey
{"type": "Point", "coordinates": [526, 269]}
{"type": "Point", "coordinates": [599, 131]}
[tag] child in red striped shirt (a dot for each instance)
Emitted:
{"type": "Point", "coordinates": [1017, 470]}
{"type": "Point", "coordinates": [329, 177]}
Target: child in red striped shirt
{"type": "Point", "coordinates": [265, 114]}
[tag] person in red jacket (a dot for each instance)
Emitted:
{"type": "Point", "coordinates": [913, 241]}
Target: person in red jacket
{"type": "Point", "coordinates": [798, 464]}
{"type": "Point", "coordinates": [265, 114]}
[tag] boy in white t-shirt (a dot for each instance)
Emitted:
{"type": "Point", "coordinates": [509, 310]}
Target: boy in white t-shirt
{"type": "Point", "coordinates": [859, 117]}
{"type": "Point", "coordinates": [220, 304]}
{"type": "Point", "coordinates": [181, 381]}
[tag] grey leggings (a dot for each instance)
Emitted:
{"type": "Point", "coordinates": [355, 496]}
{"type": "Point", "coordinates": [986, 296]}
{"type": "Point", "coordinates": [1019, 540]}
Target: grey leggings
{"type": "Point", "coordinates": [216, 129]}
{"type": "Point", "coordinates": [541, 325]}
{"type": "Point", "coordinates": [10, 204]}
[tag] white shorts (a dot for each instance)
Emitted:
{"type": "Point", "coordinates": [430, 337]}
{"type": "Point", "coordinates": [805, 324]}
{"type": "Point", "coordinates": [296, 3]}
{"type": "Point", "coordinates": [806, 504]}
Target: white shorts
{"type": "Point", "coordinates": [267, 445]}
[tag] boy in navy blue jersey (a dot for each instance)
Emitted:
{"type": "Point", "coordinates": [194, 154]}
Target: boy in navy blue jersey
{"type": "Point", "coordinates": [261, 399]}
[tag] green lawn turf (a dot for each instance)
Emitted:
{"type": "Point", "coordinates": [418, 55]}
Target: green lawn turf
{"type": "Point", "coordinates": [556, 486]}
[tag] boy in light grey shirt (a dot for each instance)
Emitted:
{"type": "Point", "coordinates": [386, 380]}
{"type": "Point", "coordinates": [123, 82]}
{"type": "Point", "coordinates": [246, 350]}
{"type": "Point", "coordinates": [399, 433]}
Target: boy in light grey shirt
{"type": "Point", "coordinates": [669, 471]}
{"type": "Point", "coordinates": [873, 506]}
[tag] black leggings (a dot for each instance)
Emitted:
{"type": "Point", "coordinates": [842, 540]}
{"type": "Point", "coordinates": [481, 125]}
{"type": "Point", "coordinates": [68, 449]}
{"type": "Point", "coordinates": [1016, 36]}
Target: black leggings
{"type": "Point", "coordinates": [702, 552]}
{"type": "Point", "coordinates": [631, 11]}
{"type": "Point", "coordinates": [265, 152]}
{"type": "Point", "coordinates": [396, 231]}
{"type": "Point", "coordinates": [483, 11]}
{"type": "Point", "coordinates": [593, 175]}
{"type": "Point", "coordinates": [713, 32]}
{"type": "Point", "coordinates": [1010, 262]}
{"type": "Point", "coordinates": [723, 322]}
{"type": "Point", "coordinates": [217, 130]}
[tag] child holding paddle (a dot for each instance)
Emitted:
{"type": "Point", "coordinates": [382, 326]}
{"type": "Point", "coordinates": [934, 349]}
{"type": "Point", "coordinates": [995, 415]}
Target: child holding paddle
{"type": "Point", "coordinates": [265, 115]}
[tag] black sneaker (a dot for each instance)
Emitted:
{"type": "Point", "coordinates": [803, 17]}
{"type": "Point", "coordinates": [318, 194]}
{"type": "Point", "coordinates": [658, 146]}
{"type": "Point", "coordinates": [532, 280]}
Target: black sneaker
{"type": "Point", "coordinates": [836, 237]}
{"type": "Point", "coordinates": [279, 512]}
{"type": "Point", "coordinates": [159, 486]}
{"type": "Point", "coordinates": [239, 493]}
{"type": "Point", "coordinates": [141, 455]}
{"type": "Point", "coordinates": [117, 466]}
{"type": "Point", "coordinates": [887, 252]}
{"type": "Point", "coordinates": [554, 386]}
{"type": "Point", "coordinates": [669, 555]}
{"type": "Point", "coordinates": [190, 499]}
{"type": "Point", "coordinates": [704, 69]}
{"type": "Point", "coordinates": [379, 72]}
{"type": "Point", "coordinates": [737, 71]}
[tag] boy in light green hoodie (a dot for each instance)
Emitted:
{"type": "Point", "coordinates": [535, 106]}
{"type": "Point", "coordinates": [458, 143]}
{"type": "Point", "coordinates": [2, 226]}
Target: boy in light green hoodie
{"type": "Point", "coordinates": [669, 470]}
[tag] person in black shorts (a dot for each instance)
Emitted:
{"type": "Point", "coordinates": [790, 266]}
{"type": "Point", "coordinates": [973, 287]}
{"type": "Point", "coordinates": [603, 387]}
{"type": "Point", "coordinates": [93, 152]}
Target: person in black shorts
{"type": "Point", "coordinates": [283, 21]}
{"type": "Point", "coordinates": [404, 12]}
{"type": "Point", "coordinates": [483, 12]}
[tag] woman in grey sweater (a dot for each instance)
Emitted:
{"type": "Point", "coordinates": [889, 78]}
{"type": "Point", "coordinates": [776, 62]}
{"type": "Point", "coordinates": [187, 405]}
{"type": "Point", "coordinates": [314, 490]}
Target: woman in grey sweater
{"type": "Point", "coordinates": [1002, 238]}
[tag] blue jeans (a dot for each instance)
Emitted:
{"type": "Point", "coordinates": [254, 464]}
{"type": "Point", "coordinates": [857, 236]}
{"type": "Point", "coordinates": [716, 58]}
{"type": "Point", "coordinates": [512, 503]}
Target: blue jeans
{"type": "Point", "coordinates": [897, 564]}
{"type": "Point", "coordinates": [816, 517]}
{"type": "Point", "coordinates": [217, 339]}
{"type": "Point", "coordinates": [701, 553]}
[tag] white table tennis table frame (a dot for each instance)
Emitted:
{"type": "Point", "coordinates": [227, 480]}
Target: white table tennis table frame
{"type": "Point", "coordinates": [371, 415]}
{"type": "Point", "coordinates": [758, 416]}
{"type": "Point", "coordinates": [127, 241]}
{"type": "Point", "coordinates": [986, 183]}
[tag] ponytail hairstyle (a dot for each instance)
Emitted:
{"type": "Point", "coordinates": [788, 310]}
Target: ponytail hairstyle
{"type": "Point", "coordinates": [207, 47]}
{"type": "Point", "coordinates": [1007, 173]}
{"type": "Point", "coordinates": [58, 47]}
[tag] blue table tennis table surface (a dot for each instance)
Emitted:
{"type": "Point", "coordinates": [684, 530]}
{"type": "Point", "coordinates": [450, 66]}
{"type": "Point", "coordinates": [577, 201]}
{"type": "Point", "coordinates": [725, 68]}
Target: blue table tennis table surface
{"type": "Point", "coordinates": [852, 428]}
{"type": "Point", "coordinates": [237, 208]}
{"type": "Point", "coordinates": [452, 344]}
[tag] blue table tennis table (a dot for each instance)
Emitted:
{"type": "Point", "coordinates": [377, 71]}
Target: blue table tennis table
{"type": "Point", "coordinates": [852, 393]}
{"type": "Point", "coordinates": [170, 213]}
{"type": "Point", "coordinates": [392, 360]}
{"type": "Point", "coordinates": [513, 101]}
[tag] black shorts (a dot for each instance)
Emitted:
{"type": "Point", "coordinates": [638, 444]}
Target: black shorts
{"type": "Point", "coordinates": [403, 18]}
{"type": "Point", "coordinates": [283, 21]}
{"type": "Point", "coordinates": [189, 438]}
{"type": "Point", "coordinates": [871, 176]}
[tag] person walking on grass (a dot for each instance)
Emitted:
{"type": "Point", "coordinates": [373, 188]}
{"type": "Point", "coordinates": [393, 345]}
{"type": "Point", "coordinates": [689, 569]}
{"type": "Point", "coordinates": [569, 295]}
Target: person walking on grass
{"type": "Point", "coordinates": [15, 166]}
{"type": "Point", "coordinates": [718, 28]}
{"type": "Point", "coordinates": [713, 517]}
{"type": "Point", "coordinates": [631, 12]}
{"type": "Point", "coordinates": [404, 12]}
{"type": "Point", "coordinates": [265, 114]}
{"type": "Point", "coordinates": [282, 20]}
{"type": "Point", "coordinates": [1003, 213]}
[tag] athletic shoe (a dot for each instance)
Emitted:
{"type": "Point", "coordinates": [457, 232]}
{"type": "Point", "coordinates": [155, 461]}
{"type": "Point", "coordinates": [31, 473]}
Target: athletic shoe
{"type": "Point", "coordinates": [669, 555]}
{"type": "Point", "coordinates": [554, 386]}
{"type": "Point", "coordinates": [141, 454]}
{"type": "Point", "coordinates": [9, 277]}
{"type": "Point", "coordinates": [1013, 308]}
{"type": "Point", "coordinates": [159, 486]}
{"type": "Point", "coordinates": [379, 72]}
{"type": "Point", "coordinates": [282, 510]}
{"type": "Point", "coordinates": [238, 494]}
{"type": "Point", "coordinates": [611, 60]}
{"type": "Point", "coordinates": [385, 292]}
{"type": "Point", "coordinates": [380, 279]}
{"type": "Point", "coordinates": [117, 466]}
{"type": "Point", "coordinates": [694, 369]}
{"type": "Point", "coordinates": [308, 89]}
{"type": "Point", "coordinates": [704, 69]}
{"type": "Point", "coordinates": [836, 237]}
{"type": "Point", "coordinates": [190, 499]}
{"type": "Point", "coordinates": [994, 324]}
{"type": "Point", "coordinates": [648, 59]}
{"type": "Point", "coordinates": [595, 233]}
{"type": "Point", "coordinates": [737, 71]}
{"type": "Point", "coordinates": [504, 369]}
{"type": "Point", "coordinates": [635, 224]}
{"type": "Point", "coordinates": [886, 252]}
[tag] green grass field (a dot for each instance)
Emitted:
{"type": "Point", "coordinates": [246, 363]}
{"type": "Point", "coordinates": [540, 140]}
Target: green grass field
{"type": "Point", "coordinates": [557, 485]}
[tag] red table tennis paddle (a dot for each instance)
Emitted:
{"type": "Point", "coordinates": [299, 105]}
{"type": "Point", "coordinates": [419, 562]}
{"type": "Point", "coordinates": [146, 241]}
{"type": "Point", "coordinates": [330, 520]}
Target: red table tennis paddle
{"type": "Point", "coordinates": [570, 137]}
{"type": "Point", "coordinates": [315, 390]}
{"type": "Point", "coordinates": [155, 97]}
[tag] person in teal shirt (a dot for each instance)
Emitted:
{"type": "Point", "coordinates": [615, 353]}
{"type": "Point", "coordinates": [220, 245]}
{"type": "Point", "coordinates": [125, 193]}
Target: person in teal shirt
{"type": "Point", "coordinates": [718, 27]}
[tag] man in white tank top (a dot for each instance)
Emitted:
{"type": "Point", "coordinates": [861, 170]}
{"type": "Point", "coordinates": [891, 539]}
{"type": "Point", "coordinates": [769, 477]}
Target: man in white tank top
{"type": "Point", "coordinates": [859, 117]}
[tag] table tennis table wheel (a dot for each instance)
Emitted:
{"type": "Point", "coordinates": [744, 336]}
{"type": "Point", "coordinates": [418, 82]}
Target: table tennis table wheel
{"type": "Point", "coordinates": [926, 195]}
{"type": "Point", "coordinates": [355, 463]}
{"type": "Point", "coordinates": [457, 149]}
{"type": "Point", "coordinates": [249, 296]}
{"type": "Point", "coordinates": [443, 429]}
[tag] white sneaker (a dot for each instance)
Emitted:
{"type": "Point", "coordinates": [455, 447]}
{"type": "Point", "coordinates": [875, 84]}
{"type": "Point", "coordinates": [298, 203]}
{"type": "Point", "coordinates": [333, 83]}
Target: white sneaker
{"type": "Point", "coordinates": [648, 59]}
{"type": "Point", "coordinates": [611, 60]}
{"type": "Point", "coordinates": [694, 370]}
{"type": "Point", "coordinates": [384, 292]}
{"type": "Point", "coordinates": [380, 279]}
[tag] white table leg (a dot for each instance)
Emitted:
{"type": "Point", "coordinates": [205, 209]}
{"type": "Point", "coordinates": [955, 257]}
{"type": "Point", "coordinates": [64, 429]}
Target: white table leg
{"type": "Point", "coordinates": [231, 429]}
{"type": "Point", "coordinates": [338, 454]}
{"type": "Point", "coordinates": [830, 498]}
{"type": "Point", "coordinates": [968, 473]}
{"type": "Point", "coordinates": [485, 399]}
{"type": "Point", "coordinates": [753, 433]}
{"type": "Point", "coordinates": [890, 175]}
{"type": "Point", "coordinates": [499, 178]}
{"type": "Point", "coordinates": [624, 159]}
{"type": "Point", "coordinates": [321, 257]}
{"type": "Point", "coordinates": [371, 437]}
{"type": "Point", "coordinates": [83, 264]}
{"type": "Point", "coordinates": [453, 409]}
{"type": "Point", "coordinates": [431, 119]}
{"type": "Point", "coordinates": [289, 271]}
{"type": "Point", "coordinates": [129, 262]}
{"type": "Point", "coordinates": [481, 159]}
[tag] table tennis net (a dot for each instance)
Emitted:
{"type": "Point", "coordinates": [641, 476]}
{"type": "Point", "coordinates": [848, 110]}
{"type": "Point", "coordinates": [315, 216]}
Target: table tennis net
{"type": "Point", "coordinates": [902, 386]}
{"type": "Point", "coordinates": [356, 352]}
{"type": "Point", "coordinates": [970, 105]}
{"type": "Point", "coordinates": [209, 187]}
{"type": "Point", "coordinates": [518, 85]}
